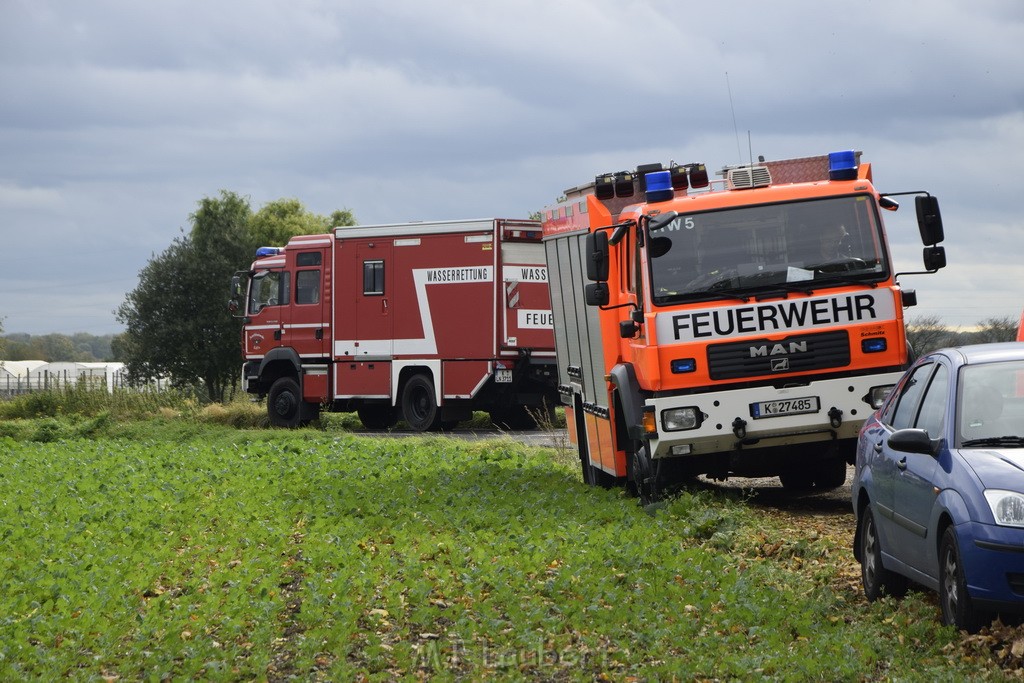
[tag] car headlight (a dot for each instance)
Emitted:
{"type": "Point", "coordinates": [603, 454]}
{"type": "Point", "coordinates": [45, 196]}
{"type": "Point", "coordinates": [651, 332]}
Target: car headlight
{"type": "Point", "coordinates": [1007, 507]}
{"type": "Point", "coordinates": [679, 419]}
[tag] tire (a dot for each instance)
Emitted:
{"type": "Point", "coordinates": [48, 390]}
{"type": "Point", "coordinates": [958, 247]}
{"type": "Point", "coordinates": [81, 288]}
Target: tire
{"type": "Point", "coordinates": [877, 580]}
{"type": "Point", "coordinates": [830, 474]}
{"type": "Point", "coordinates": [377, 416]}
{"type": "Point", "coordinates": [643, 479]}
{"type": "Point", "coordinates": [957, 608]}
{"type": "Point", "coordinates": [419, 407]}
{"type": "Point", "coordinates": [284, 403]}
{"type": "Point", "coordinates": [797, 480]}
{"type": "Point", "coordinates": [823, 475]}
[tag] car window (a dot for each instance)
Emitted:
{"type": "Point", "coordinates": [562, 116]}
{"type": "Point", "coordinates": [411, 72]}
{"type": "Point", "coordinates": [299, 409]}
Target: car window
{"type": "Point", "coordinates": [910, 397]}
{"type": "Point", "coordinates": [933, 405]}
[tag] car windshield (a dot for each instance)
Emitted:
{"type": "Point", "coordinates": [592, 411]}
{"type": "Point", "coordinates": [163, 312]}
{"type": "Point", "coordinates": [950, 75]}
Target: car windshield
{"type": "Point", "coordinates": [785, 247]}
{"type": "Point", "coordinates": [990, 405]}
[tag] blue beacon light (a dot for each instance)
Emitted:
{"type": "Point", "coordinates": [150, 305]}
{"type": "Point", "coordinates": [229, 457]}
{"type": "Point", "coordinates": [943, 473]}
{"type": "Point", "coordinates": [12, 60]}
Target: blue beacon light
{"type": "Point", "coordinates": [842, 165]}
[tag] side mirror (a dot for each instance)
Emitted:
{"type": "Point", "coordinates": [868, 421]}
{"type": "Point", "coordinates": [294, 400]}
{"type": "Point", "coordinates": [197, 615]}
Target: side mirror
{"type": "Point", "coordinates": [913, 441]}
{"type": "Point", "coordinates": [235, 293]}
{"type": "Point", "coordinates": [596, 294]}
{"type": "Point", "coordinates": [929, 219]}
{"type": "Point", "coordinates": [934, 258]}
{"type": "Point", "coordinates": [597, 257]}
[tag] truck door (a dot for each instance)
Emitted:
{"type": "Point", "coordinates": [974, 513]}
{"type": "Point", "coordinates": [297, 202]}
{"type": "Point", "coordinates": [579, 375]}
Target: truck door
{"type": "Point", "coordinates": [373, 316]}
{"type": "Point", "coordinates": [266, 309]}
{"type": "Point", "coordinates": [307, 320]}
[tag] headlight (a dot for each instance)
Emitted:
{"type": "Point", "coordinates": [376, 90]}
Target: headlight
{"type": "Point", "coordinates": [876, 395]}
{"type": "Point", "coordinates": [679, 419]}
{"type": "Point", "coordinates": [1007, 507]}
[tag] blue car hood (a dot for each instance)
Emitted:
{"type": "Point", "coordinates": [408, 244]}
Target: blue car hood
{"type": "Point", "coordinates": [998, 468]}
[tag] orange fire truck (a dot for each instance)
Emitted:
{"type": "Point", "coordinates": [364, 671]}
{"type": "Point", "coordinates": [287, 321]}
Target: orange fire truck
{"type": "Point", "coordinates": [738, 327]}
{"type": "Point", "coordinates": [426, 322]}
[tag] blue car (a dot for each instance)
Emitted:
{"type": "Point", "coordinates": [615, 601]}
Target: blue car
{"type": "Point", "coordinates": [938, 491]}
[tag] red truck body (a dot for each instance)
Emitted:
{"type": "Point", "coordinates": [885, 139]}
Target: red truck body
{"type": "Point", "coordinates": [425, 322]}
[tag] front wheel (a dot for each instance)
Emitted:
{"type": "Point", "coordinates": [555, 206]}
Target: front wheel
{"type": "Point", "coordinates": [957, 608]}
{"type": "Point", "coordinates": [643, 476]}
{"type": "Point", "coordinates": [284, 403]}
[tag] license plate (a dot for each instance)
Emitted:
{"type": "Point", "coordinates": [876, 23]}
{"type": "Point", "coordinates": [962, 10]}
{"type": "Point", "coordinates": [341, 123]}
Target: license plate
{"type": "Point", "coordinates": [503, 376]}
{"type": "Point", "coordinates": [785, 406]}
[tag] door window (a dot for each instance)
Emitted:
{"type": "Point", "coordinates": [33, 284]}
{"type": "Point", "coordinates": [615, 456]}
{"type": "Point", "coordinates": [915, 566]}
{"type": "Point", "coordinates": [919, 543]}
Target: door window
{"type": "Point", "coordinates": [933, 405]}
{"type": "Point", "coordinates": [373, 277]}
{"type": "Point", "coordinates": [307, 287]}
{"type": "Point", "coordinates": [910, 397]}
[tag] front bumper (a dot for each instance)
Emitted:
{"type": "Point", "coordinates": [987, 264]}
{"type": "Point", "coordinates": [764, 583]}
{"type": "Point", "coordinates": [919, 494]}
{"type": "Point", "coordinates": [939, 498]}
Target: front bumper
{"type": "Point", "coordinates": [728, 422]}
{"type": "Point", "coordinates": [993, 560]}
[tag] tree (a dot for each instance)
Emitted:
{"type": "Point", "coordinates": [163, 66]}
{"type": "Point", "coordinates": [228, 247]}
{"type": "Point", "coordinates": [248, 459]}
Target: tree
{"type": "Point", "coordinates": [176, 321]}
{"type": "Point", "coordinates": [927, 333]}
{"type": "Point", "coordinates": [279, 221]}
{"type": "Point", "coordinates": [176, 325]}
{"type": "Point", "coordinates": [997, 330]}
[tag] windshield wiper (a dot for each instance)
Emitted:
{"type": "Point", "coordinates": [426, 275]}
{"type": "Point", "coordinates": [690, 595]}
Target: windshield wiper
{"type": "Point", "coordinates": [1007, 441]}
{"type": "Point", "coordinates": [782, 289]}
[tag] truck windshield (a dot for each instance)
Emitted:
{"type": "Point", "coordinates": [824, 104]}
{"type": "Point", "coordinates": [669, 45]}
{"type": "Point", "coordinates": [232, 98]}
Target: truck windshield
{"type": "Point", "coordinates": [267, 288]}
{"type": "Point", "coordinates": [793, 246]}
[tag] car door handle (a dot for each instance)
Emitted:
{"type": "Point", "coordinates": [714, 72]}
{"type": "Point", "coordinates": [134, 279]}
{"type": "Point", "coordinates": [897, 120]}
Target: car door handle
{"type": "Point", "coordinates": [902, 463]}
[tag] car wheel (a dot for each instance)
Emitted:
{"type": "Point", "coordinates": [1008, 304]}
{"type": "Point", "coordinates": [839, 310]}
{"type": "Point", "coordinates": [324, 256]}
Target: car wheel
{"type": "Point", "coordinates": [877, 580]}
{"type": "Point", "coordinates": [957, 607]}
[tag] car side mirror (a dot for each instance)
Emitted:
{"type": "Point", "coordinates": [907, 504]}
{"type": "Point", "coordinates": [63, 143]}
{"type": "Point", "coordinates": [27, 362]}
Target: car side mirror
{"type": "Point", "coordinates": [913, 441]}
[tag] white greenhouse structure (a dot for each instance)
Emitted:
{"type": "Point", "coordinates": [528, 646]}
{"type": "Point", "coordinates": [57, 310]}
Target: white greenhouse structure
{"type": "Point", "coordinates": [22, 376]}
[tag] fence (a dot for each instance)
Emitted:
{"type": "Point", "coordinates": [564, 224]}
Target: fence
{"type": "Point", "coordinates": [108, 376]}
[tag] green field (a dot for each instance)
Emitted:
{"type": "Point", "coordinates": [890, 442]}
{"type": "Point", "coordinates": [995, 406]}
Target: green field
{"type": "Point", "coordinates": [174, 550]}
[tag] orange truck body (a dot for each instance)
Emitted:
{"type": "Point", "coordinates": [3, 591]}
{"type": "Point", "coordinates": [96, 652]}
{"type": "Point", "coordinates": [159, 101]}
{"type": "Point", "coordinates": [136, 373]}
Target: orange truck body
{"type": "Point", "coordinates": [767, 366]}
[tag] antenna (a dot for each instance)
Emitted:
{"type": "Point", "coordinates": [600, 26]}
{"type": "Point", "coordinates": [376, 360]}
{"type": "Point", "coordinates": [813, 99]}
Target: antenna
{"type": "Point", "coordinates": [750, 149]}
{"type": "Point", "coordinates": [739, 152]}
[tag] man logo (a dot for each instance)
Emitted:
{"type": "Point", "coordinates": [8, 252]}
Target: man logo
{"type": "Point", "coordinates": [780, 364]}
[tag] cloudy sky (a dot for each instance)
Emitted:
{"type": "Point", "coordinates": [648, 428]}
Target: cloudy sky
{"type": "Point", "coordinates": [117, 117]}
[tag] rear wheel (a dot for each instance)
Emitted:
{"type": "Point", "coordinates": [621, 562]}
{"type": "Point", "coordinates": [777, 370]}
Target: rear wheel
{"type": "Point", "coordinates": [957, 607]}
{"type": "Point", "coordinates": [877, 580]}
{"type": "Point", "coordinates": [419, 406]}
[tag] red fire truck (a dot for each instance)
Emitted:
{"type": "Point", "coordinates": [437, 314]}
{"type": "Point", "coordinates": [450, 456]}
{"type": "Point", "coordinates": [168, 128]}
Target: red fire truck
{"type": "Point", "coordinates": [426, 322]}
{"type": "Point", "coordinates": [741, 327]}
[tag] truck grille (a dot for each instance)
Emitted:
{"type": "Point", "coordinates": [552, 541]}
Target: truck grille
{"type": "Point", "coordinates": [765, 358]}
